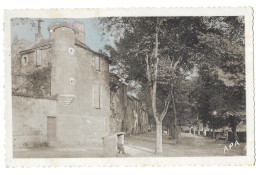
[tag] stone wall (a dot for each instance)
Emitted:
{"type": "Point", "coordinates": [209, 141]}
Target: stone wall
{"type": "Point", "coordinates": [136, 119]}
{"type": "Point", "coordinates": [118, 103]}
{"type": "Point", "coordinates": [30, 120]}
{"type": "Point", "coordinates": [128, 113]}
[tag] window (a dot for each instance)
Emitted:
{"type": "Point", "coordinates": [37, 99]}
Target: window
{"type": "Point", "coordinates": [72, 81]}
{"type": "Point", "coordinates": [71, 51]}
{"type": "Point", "coordinates": [38, 57]}
{"type": "Point", "coordinates": [24, 60]}
{"type": "Point", "coordinates": [97, 96]}
{"type": "Point", "coordinates": [97, 63]}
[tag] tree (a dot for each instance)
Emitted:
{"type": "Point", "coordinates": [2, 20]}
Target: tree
{"type": "Point", "coordinates": [156, 52]}
{"type": "Point", "coordinates": [149, 51]}
{"type": "Point", "coordinates": [222, 72]}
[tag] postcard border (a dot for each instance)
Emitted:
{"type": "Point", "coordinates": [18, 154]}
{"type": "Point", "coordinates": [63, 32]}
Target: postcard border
{"type": "Point", "coordinates": [150, 161]}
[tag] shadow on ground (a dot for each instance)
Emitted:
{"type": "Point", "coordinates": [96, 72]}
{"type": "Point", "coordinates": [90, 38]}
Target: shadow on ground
{"type": "Point", "coordinates": [143, 145]}
{"type": "Point", "coordinates": [190, 146]}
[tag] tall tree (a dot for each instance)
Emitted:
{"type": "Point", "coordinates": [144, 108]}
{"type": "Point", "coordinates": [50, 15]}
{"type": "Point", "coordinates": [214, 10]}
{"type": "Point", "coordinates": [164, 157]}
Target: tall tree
{"type": "Point", "coordinates": [150, 51]}
{"type": "Point", "coordinates": [153, 51]}
{"type": "Point", "coordinates": [222, 72]}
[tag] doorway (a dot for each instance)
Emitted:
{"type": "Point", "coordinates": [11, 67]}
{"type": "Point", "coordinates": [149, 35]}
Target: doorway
{"type": "Point", "coordinates": [51, 128]}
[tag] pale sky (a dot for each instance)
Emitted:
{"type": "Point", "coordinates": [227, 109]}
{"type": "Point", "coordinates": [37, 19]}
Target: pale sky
{"type": "Point", "coordinates": [26, 29]}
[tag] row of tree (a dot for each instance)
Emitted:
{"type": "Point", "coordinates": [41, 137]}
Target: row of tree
{"type": "Point", "coordinates": [187, 67]}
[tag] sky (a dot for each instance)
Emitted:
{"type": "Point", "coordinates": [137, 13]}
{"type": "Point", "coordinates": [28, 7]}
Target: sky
{"type": "Point", "coordinates": [27, 28]}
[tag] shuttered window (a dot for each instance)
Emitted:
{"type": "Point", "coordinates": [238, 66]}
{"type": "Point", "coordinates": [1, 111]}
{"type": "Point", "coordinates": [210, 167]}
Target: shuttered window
{"type": "Point", "coordinates": [97, 63]}
{"type": "Point", "coordinates": [97, 97]}
{"type": "Point", "coordinates": [38, 57]}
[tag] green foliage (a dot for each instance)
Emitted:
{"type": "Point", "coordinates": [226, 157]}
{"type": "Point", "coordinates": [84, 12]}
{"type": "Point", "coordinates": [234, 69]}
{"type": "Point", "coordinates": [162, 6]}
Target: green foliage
{"type": "Point", "coordinates": [38, 82]}
{"type": "Point", "coordinates": [212, 45]}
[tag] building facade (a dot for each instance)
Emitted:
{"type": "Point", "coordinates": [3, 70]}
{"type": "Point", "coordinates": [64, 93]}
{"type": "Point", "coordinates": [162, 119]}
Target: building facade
{"type": "Point", "coordinates": [128, 113]}
{"type": "Point", "coordinates": [62, 91]}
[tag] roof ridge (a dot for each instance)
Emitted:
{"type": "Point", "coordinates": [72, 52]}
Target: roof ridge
{"type": "Point", "coordinates": [35, 97]}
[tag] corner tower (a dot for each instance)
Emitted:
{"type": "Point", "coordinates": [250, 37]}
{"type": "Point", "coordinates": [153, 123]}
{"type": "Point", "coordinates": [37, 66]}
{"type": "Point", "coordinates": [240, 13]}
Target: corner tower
{"type": "Point", "coordinates": [80, 80]}
{"type": "Point", "coordinates": [64, 61]}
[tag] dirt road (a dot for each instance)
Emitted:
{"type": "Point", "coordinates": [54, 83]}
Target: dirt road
{"type": "Point", "coordinates": [143, 146]}
{"type": "Point", "coordinates": [191, 146]}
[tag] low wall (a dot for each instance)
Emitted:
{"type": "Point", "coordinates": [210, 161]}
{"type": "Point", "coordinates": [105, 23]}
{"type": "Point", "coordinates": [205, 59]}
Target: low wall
{"type": "Point", "coordinates": [29, 118]}
{"type": "Point", "coordinates": [75, 130]}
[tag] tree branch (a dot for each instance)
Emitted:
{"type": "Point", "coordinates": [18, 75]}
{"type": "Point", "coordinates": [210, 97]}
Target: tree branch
{"type": "Point", "coordinates": [148, 70]}
{"type": "Point", "coordinates": [166, 106]}
{"type": "Point", "coordinates": [176, 63]}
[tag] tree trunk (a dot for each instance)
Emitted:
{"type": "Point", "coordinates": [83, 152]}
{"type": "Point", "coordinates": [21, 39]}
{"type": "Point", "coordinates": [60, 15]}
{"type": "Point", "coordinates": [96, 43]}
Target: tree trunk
{"type": "Point", "coordinates": [234, 130]}
{"type": "Point", "coordinates": [158, 148]}
{"type": "Point", "coordinates": [213, 135]}
{"type": "Point", "coordinates": [174, 110]}
{"type": "Point", "coordinates": [198, 130]}
{"type": "Point", "coordinates": [194, 132]}
{"type": "Point", "coordinates": [177, 131]}
{"type": "Point", "coordinates": [178, 134]}
{"type": "Point", "coordinates": [190, 130]}
{"type": "Point", "coordinates": [204, 131]}
{"type": "Point", "coordinates": [233, 124]}
{"type": "Point", "coordinates": [153, 88]}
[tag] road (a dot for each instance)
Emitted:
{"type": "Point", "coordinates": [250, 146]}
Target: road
{"type": "Point", "coordinates": [190, 146]}
{"type": "Point", "coordinates": [143, 146]}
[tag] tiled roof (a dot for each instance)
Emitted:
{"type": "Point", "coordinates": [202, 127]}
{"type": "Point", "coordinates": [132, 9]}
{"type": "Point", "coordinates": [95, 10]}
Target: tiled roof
{"type": "Point", "coordinates": [43, 43]}
{"type": "Point", "coordinates": [36, 97]}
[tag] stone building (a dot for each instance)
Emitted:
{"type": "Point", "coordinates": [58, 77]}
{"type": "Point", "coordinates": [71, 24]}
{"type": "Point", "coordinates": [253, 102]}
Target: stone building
{"type": "Point", "coordinates": [63, 92]}
{"type": "Point", "coordinates": [118, 103]}
{"type": "Point", "coordinates": [136, 119]}
{"type": "Point", "coordinates": [128, 113]}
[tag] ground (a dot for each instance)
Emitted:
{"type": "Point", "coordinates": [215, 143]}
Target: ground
{"type": "Point", "coordinates": [190, 146]}
{"type": "Point", "coordinates": [143, 145]}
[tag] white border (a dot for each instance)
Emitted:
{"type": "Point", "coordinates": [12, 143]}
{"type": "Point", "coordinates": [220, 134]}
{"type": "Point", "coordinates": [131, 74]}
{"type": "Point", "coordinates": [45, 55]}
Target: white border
{"type": "Point", "coordinates": [87, 13]}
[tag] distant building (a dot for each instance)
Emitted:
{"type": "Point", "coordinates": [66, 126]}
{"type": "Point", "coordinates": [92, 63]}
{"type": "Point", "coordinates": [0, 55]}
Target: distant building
{"type": "Point", "coordinates": [128, 113]}
{"type": "Point", "coordinates": [62, 91]}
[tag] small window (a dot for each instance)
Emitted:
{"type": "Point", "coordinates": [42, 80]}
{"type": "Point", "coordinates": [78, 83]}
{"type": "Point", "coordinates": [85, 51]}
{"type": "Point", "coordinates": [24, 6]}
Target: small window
{"type": "Point", "coordinates": [72, 81]}
{"type": "Point", "coordinates": [38, 57]}
{"type": "Point", "coordinates": [24, 60]}
{"type": "Point", "coordinates": [97, 63]}
{"type": "Point", "coordinates": [71, 51]}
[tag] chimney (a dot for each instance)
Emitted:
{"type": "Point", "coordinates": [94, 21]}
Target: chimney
{"type": "Point", "coordinates": [38, 36]}
{"type": "Point", "coordinates": [80, 28]}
